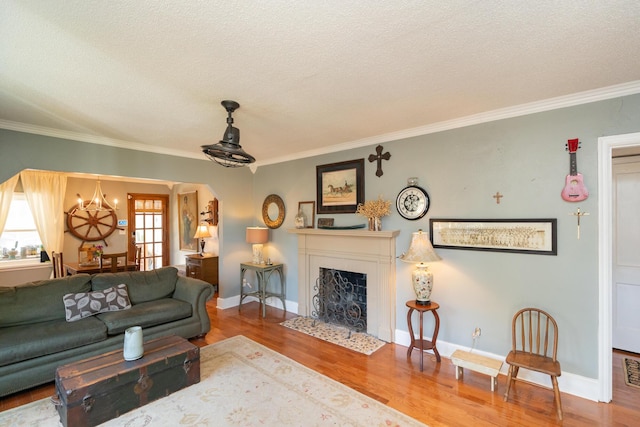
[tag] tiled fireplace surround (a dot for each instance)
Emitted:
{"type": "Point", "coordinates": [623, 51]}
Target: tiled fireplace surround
{"type": "Point", "coordinates": [370, 252]}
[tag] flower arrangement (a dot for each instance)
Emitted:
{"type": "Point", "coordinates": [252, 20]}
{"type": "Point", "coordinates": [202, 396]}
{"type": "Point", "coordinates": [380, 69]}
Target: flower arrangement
{"type": "Point", "coordinates": [374, 208]}
{"type": "Point", "coordinates": [98, 252]}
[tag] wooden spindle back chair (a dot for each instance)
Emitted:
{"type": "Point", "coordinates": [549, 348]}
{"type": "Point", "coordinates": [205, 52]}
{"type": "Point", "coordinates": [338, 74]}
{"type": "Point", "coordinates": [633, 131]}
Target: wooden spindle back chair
{"type": "Point", "coordinates": [534, 346]}
{"type": "Point", "coordinates": [138, 259]}
{"type": "Point", "coordinates": [58, 264]}
{"type": "Point", "coordinates": [109, 262]}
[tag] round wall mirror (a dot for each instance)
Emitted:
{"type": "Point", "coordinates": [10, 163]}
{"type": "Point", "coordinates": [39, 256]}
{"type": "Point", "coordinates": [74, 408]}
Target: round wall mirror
{"type": "Point", "coordinates": [273, 211]}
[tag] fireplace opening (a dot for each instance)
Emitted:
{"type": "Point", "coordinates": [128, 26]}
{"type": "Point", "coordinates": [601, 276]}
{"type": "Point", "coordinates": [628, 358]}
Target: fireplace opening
{"type": "Point", "coordinates": [341, 299]}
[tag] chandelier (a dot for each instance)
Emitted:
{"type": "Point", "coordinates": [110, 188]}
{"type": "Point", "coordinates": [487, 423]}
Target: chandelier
{"type": "Point", "coordinates": [98, 202]}
{"type": "Point", "coordinates": [228, 151]}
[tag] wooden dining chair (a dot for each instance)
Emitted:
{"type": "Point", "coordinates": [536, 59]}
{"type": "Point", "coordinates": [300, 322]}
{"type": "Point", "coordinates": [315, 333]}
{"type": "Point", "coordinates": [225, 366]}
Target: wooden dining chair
{"type": "Point", "coordinates": [534, 346]}
{"type": "Point", "coordinates": [138, 259]}
{"type": "Point", "coordinates": [109, 262]}
{"type": "Point", "coordinates": [58, 264]}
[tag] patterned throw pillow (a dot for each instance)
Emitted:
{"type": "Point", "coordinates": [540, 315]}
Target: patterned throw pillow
{"type": "Point", "coordinates": [85, 304]}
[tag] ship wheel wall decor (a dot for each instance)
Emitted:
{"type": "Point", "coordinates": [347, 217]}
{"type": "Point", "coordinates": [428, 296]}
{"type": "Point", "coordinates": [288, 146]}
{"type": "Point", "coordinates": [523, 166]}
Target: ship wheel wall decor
{"type": "Point", "coordinates": [91, 225]}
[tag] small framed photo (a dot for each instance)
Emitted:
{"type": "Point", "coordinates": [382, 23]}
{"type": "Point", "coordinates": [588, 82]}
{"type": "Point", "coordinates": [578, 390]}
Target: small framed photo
{"type": "Point", "coordinates": [308, 210]}
{"type": "Point", "coordinates": [325, 222]}
{"type": "Point", "coordinates": [188, 220]}
{"type": "Point", "coordinates": [86, 254]}
{"type": "Point", "coordinates": [340, 186]}
{"type": "Point", "coordinates": [525, 236]}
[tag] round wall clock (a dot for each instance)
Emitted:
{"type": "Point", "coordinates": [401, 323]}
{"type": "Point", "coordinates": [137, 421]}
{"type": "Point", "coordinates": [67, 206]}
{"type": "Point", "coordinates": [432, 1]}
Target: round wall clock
{"type": "Point", "coordinates": [412, 202]}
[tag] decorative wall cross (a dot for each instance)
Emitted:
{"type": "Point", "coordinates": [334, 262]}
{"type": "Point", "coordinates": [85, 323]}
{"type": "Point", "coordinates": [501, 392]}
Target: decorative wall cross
{"type": "Point", "coordinates": [379, 157]}
{"type": "Point", "coordinates": [498, 196]}
{"type": "Point", "coordinates": [579, 214]}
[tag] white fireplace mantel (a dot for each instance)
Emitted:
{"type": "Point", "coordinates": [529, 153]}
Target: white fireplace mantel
{"type": "Point", "coordinates": [370, 252]}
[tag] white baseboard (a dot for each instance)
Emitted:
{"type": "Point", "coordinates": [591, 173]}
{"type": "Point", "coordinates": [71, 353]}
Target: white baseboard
{"type": "Point", "coordinates": [576, 385]}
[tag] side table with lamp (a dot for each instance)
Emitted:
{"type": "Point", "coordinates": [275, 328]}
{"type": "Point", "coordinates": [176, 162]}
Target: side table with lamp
{"type": "Point", "coordinates": [420, 253]}
{"type": "Point", "coordinates": [257, 236]}
{"type": "Point", "coordinates": [202, 232]}
{"type": "Point", "coordinates": [203, 266]}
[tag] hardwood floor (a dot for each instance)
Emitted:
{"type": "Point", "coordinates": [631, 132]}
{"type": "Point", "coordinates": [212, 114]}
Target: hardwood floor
{"type": "Point", "coordinates": [432, 396]}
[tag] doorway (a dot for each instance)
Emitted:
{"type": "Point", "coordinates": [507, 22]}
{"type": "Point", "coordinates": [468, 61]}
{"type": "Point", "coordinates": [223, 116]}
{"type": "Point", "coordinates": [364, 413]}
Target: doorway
{"type": "Point", "coordinates": [605, 261]}
{"type": "Point", "coordinates": [148, 218]}
{"type": "Point", "coordinates": [626, 257]}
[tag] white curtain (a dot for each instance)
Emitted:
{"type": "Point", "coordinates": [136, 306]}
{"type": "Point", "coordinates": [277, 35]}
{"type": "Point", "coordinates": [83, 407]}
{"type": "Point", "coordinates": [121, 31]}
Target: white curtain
{"type": "Point", "coordinates": [45, 194]}
{"type": "Point", "coordinates": [6, 194]}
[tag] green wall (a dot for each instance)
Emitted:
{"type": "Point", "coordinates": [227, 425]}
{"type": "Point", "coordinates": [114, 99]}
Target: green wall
{"type": "Point", "coordinates": [233, 187]}
{"type": "Point", "coordinates": [523, 158]}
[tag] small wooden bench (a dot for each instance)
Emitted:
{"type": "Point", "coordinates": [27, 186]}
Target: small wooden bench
{"type": "Point", "coordinates": [478, 363]}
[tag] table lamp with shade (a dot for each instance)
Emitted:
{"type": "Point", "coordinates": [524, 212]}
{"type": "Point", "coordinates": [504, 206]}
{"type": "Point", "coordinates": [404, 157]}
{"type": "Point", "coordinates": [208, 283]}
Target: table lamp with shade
{"type": "Point", "coordinates": [257, 236]}
{"type": "Point", "coordinates": [202, 232]}
{"type": "Point", "coordinates": [420, 253]}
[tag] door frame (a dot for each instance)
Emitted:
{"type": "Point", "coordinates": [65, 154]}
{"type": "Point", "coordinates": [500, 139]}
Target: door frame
{"type": "Point", "coordinates": [166, 244]}
{"type": "Point", "coordinates": [606, 144]}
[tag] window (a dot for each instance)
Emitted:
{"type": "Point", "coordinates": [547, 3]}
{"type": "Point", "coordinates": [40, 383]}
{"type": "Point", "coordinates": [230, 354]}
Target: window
{"type": "Point", "coordinates": [20, 239]}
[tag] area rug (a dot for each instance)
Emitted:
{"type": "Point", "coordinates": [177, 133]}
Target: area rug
{"type": "Point", "coordinates": [631, 372]}
{"type": "Point", "coordinates": [359, 341]}
{"type": "Point", "coordinates": [243, 383]}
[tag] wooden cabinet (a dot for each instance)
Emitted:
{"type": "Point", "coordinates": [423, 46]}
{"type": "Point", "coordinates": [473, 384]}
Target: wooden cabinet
{"type": "Point", "coordinates": [203, 268]}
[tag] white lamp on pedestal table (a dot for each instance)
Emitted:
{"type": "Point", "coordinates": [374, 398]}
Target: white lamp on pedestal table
{"type": "Point", "coordinates": [420, 253]}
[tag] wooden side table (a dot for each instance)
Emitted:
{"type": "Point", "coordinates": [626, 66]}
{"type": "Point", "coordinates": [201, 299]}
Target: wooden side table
{"type": "Point", "coordinates": [263, 272]}
{"type": "Point", "coordinates": [203, 267]}
{"type": "Point", "coordinates": [421, 343]}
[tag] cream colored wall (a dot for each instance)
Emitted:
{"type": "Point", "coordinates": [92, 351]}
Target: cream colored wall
{"type": "Point", "coordinates": [117, 241]}
{"type": "Point", "coordinates": [204, 195]}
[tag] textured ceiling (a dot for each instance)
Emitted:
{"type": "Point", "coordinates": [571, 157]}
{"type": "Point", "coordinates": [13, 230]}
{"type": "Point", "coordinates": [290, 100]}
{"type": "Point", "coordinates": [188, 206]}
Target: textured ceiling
{"type": "Point", "coordinates": [309, 75]}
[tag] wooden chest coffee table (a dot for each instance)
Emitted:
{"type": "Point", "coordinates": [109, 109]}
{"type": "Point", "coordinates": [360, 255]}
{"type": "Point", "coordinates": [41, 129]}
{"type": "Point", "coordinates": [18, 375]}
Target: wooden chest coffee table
{"type": "Point", "coordinates": [97, 389]}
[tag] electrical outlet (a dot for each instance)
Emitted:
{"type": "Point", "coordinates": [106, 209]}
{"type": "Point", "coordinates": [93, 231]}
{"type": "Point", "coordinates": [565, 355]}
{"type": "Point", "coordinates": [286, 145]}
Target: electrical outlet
{"type": "Point", "coordinates": [476, 333]}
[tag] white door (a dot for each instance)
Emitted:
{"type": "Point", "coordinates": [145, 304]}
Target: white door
{"type": "Point", "coordinates": [148, 217]}
{"type": "Point", "coordinates": [626, 254]}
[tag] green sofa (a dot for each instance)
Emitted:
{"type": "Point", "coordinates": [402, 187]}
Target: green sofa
{"type": "Point", "coordinates": [36, 338]}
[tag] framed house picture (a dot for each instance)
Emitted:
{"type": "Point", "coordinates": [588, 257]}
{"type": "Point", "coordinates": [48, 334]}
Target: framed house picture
{"type": "Point", "coordinates": [188, 220]}
{"type": "Point", "coordinates": [340, 186]}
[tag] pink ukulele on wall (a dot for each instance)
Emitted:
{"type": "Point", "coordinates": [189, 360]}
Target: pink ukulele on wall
{"type": "Point", "coordinates": [574, 189]}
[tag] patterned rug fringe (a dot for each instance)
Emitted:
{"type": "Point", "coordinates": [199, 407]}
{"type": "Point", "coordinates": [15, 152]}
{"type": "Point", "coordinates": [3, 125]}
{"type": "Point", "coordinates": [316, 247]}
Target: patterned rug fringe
{"type": "Point", "coordinates": [359, 341]}
{"type": "Point", "coordinates": [631, 372]}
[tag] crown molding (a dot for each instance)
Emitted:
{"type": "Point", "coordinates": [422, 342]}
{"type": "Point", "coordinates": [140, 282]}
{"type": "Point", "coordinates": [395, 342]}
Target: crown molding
{"type": "Point", "coordinates": [580, 98]}
{"type": "Point", "coordinates": [609, 92]}
{"type": "Point", "coordinates": [94, 139]}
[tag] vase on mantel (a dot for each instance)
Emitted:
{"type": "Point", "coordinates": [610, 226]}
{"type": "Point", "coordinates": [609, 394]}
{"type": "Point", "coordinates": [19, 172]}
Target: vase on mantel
{"type": "Point", "coordinates": [375, 223]}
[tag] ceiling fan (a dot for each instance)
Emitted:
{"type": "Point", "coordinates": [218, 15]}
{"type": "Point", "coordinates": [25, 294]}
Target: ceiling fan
{"type": "Point", "coordinates": [228, 151]}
